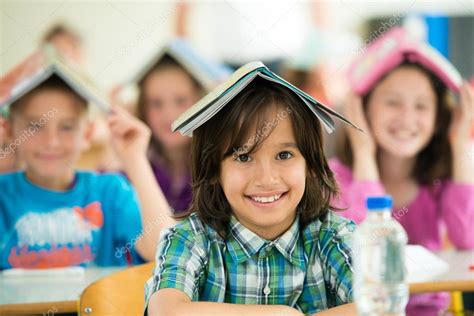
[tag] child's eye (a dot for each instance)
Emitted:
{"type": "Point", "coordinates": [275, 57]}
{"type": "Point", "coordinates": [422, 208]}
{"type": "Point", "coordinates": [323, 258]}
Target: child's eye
{"type": "Point", "coordinates": [34, 126]}
{"type": "Point", "coordinates": [284, 155]}
{"type": "Point", "coordinates": [181, 101]}
{"type": "Point", "coordinates": [67, 127]}
{"type": "Point", "coordinates": [421, 106]}
{"type": "Point", "coordinates": [392, 102]}
{"type": "Point", "coordinates": [243, 158]}
{"type": "Point", "coordinates": [155, 104]}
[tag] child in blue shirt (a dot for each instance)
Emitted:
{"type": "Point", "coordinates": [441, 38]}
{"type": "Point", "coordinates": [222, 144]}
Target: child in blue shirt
{"type": "Point", "coordinates": [54, 216]}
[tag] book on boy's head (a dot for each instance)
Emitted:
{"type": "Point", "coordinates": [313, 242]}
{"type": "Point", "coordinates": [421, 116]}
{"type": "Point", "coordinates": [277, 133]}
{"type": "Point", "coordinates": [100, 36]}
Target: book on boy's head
{"type": "Point", "coordinates": [214, 101]}
{"type": "Point", "coordinates": [37, 68]}
{"type": "Point", "coordinates": [392, 49]}
{"type": "Point", "coordinates": [207, 73]}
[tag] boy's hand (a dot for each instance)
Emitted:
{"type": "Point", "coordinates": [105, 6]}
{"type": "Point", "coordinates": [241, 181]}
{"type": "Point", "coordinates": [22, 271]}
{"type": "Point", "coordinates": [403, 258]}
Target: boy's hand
{"type": "Point", "coordinates": [129, 136]}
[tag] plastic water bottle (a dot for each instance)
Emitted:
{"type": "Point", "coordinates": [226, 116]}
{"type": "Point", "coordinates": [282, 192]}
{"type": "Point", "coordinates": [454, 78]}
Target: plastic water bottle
{"type": "Point", "coordinates": [380, 285]}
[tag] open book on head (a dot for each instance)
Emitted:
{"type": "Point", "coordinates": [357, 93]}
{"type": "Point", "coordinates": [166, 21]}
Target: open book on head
{"type": "Point", "coordinates": [208, 74]}
{"type": "Point", "coordinates": [213, 102]}
{"type": "Point", "coordinates": [40, 66]}
{"type": "Point", "coordinates": [392, 49]}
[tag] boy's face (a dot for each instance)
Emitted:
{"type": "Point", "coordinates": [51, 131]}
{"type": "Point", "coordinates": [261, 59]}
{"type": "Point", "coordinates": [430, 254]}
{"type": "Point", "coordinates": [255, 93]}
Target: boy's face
{"type": "Point", "coordinates": [264, 188]}
{"type": "Point", "coordinates": [51, 130]}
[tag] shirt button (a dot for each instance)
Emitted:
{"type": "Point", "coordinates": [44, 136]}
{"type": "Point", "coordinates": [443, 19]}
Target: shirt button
{"type": "Point", "coordinates": [266, 290]}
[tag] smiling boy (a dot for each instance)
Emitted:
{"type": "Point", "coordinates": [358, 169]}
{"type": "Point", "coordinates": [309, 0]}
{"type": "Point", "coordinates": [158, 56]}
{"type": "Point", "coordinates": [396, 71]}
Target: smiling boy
{"type": "Point", "coordinates": [52, 215]}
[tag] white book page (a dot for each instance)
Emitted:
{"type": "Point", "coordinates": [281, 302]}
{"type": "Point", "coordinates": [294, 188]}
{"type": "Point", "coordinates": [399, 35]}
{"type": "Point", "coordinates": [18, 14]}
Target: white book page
{"type": "Point", "coordinates": [423, 265]}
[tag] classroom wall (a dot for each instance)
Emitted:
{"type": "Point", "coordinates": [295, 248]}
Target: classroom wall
{"type": "Point", "coordinates": [120, 35]}
{"type": "Point", "coordinates": [116, 35]}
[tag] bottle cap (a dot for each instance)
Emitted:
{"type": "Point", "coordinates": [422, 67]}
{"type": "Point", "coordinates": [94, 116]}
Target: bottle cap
{"type": "Point", "coordinates": [379, 203]}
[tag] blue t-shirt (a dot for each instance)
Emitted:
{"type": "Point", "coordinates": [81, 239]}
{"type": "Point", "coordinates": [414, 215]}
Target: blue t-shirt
{"type": "Point", "coordinates": [96, 221]}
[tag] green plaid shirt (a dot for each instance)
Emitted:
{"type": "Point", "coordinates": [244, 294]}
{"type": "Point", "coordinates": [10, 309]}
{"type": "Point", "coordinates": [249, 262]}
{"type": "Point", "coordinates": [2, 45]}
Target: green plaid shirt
{"type": "Point", "coordinates": [310, 270]}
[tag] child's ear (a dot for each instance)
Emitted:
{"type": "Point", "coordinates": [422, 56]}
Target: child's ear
{"type": "Point", "coordinates": [88, 135]}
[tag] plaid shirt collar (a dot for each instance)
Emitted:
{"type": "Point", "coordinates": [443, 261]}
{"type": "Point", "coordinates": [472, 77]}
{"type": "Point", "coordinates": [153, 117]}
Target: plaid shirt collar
{"type": "Point", "coordinates": [242, 243]}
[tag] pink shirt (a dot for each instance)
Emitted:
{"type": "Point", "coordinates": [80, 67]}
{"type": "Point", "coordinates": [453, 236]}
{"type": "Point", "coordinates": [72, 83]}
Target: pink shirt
{"type": "Point", "coordinates": [445, 205]}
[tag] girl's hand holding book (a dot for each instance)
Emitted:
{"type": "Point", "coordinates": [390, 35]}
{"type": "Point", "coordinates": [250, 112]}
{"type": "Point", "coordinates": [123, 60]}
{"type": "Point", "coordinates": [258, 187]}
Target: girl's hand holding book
{"type": "Point", "coordinates": [460, 137]}
{"type": "Point", "coordinates": [361, 143]}
{"type": "Point", "coordinates": [462, 120]}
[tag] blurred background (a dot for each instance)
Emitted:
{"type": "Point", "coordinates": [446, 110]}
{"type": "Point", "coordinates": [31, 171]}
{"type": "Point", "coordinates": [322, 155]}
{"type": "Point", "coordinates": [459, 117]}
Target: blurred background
{"type": "Point", "coordinates": [118, 37]}
{"type": "Point", "coordinates": [309, 43]}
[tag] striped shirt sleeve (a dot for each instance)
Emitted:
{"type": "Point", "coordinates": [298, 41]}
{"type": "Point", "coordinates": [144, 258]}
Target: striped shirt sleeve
{"type": "Point", "coordinates": [336, 257]}
{"type": "Point", "coordinates": [180, 262]}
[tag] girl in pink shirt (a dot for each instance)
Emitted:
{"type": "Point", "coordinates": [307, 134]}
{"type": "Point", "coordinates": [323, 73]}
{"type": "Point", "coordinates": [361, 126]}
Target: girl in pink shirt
{"type": "Point", "coordinates": [416, 147]}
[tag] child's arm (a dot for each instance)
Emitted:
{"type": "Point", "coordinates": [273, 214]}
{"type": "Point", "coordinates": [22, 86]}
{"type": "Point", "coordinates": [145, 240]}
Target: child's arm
{"type": "Point", "coordinates": [460, 137]}
{"type": "Point", "coordinates": [456, 206]}
{"type": "Point", "coordinates": [346, 310]}
{"type": "Point", "coordinates": [172, 302]}
{"type": "Point", "coordinates": [130, 138]}
{"type": "Point", "coordinates": [335, 242]}
{"type": "Point", "coordinates": [353, 192]}
{"type": "Point", "coordinates": [362, 143]}
{"type": "Point", "coordinates": [457, 200]}
{"type": "Point", "coordinates": [362, 179]}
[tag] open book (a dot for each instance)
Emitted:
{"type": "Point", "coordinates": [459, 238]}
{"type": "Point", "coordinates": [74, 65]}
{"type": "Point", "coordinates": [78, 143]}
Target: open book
{"type": "Point", "coordinates": [207, 73]}
{"type": "Point", "coordinates": [46, 273]}
{"type": "Point", "coordinates": [40, 66]}
{"type": "Point", "coordinates": [213, 102]}
{"type": "Point", "coordinates": [422, 265]}
{"type": "Point", "coordinates": [391, 50]}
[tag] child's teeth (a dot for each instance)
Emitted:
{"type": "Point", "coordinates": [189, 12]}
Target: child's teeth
{"type": "Point", "coordinates": [265, 199]}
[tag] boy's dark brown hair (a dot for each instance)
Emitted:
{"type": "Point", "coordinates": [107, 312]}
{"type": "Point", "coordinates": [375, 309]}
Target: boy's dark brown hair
{"type": "Point", "coordinates": [435, 160]}
{"type": "Point", "coordinates": [167, 62]}
{"type": "Point", "coordinates": [52, 83]}
{"type": "Point", "coordinates": [228, 131]}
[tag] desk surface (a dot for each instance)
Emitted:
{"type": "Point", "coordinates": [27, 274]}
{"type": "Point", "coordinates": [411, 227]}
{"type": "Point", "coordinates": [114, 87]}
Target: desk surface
{"type": "Point", "coordinates": [61, 293]}
{"type": "Point", "coordinates": [54, 294]}
{"type": "Point", "coordinates": [457, 278]}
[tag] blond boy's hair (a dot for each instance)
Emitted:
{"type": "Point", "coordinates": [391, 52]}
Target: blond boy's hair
{"type": "Point", "coordinates": [53, 83]}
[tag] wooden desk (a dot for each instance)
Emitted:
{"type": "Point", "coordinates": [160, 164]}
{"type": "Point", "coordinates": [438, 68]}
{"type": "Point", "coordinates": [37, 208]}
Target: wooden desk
{"type": "Point", "coordinates": [40, 295]}
{"type": "Point", "coordinates": [120, 294]}
{"type": "Point", "coordinates": [458, 278]}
